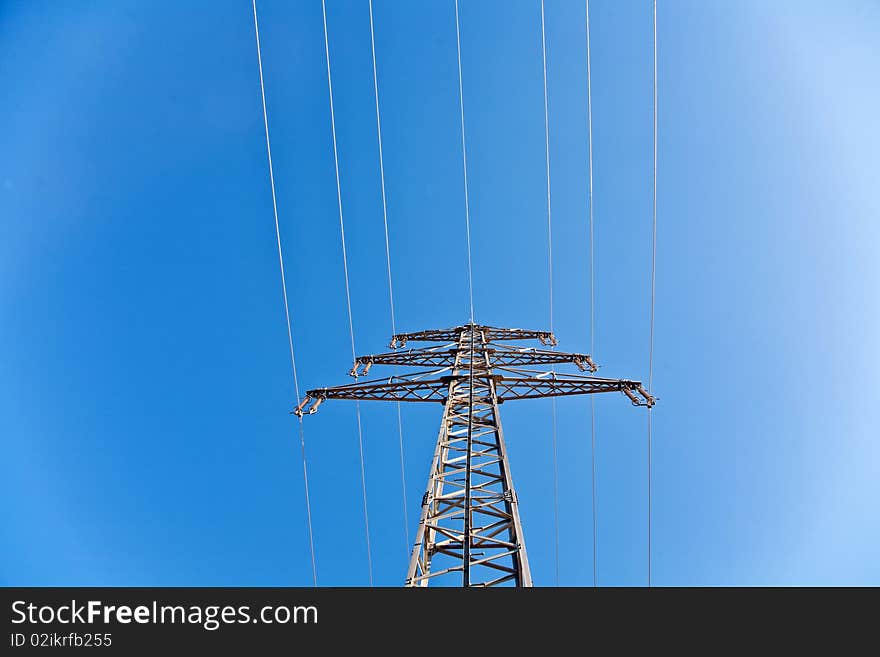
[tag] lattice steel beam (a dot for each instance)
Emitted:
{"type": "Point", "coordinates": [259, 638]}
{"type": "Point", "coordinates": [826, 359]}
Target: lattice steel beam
{"type": "Point", "coordinates": [546, 384]}
{"type": "Point", "coordinates": [490, 334]}
{"type": "Point", "coordinates": [502, 356]}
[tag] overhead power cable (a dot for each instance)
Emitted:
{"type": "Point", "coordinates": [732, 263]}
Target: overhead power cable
{"type": "Point", "coordinates": [550, 288]}
{"type": "Point", "coordinates": [653, 295]}
{"type": "Point", "coordinates": [347, 291]}
{"type": "Point", "coordinates": [302, 440]}
{"type": "Point", "coordinates": [592, 304]}
{"type": "Point", "coordinates": [390, 285]}
{"type": "Point", "coordinates": [467, 212]}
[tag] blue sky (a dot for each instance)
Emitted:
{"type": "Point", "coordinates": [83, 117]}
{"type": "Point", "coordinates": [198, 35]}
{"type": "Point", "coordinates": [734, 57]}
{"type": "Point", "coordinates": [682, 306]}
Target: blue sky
{"type": "Point", "coordinates": [144, 379]}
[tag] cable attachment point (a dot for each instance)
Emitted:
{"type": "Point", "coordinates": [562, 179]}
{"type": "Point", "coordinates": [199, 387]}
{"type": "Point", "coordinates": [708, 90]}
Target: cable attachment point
{"type": "Point", "coordinates": [547, 339]}
{"type": "Point", "coordinates": [642, 399]}
{"type": "Point", "coordinates": [305, 409]}
{"type": "Point", "coordinates": [585, 363]}
{"type": "Point", "coordinates": [366, 361]}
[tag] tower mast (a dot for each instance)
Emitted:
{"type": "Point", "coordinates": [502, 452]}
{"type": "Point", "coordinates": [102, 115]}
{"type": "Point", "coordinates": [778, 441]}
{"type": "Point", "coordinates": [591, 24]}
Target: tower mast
{"type": "Point", "coordinates": [470, 533]}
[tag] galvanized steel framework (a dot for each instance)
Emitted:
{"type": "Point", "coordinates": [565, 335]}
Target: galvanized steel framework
{"type": "Point", "coordinates": [470, 520]}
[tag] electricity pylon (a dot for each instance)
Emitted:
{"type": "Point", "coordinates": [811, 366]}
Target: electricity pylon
{"type": "Point", "coordinates": [470, 521]}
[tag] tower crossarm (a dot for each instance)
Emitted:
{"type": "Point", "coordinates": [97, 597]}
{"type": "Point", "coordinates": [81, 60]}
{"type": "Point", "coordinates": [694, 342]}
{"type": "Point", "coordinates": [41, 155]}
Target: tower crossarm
{"type": "Point", "coordinates": [557, 385]}
{"type": "Point", "coordinates": [500, 355]}
{"type": "Point", "coordinates": [393, 389]}
{"type": "Point", "coordinates": [426, 357]}
{"type": "Point", "coordinates": [508, 388]}
{"type": "Point", "coordinates": [488, 333]}
{"type": "Point", "coordinates": [506, 356]}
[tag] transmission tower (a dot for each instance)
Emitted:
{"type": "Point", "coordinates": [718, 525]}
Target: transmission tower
{"type": "Point", "coordinates": [470, 521]}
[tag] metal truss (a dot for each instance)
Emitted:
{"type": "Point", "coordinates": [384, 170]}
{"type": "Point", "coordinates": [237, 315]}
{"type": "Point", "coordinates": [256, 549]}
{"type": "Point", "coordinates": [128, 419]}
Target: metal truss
{"type": "Point", "coordinates": [490, 333]}
{"type": "Point", "coordinates": [502, 356]}
{"type": "Point", "coordinates": [470, 532]}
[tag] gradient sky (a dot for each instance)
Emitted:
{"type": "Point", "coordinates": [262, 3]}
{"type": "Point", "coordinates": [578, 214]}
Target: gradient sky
{"type": "Point", "coordinates": [145, 386]}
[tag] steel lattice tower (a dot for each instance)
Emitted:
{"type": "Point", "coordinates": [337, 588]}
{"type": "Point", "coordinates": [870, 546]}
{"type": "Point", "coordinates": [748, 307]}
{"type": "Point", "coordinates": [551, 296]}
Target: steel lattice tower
{"type": "Point", "coordinates": [470, 514]}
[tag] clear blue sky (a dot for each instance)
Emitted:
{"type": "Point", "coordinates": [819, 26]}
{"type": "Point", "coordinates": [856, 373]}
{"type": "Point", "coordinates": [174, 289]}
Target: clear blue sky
{"type": "Point", "coordinates": [144, 377]}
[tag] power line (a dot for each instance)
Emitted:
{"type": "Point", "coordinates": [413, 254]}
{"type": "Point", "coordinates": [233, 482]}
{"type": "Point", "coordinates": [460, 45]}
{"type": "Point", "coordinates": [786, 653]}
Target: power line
{"type": "Point", "coordinates": [653, 287]}
{"type": "Point", "coordinates": [382, 172]}
{"type": "Point", "coordinates": [550, 277]}
{"type": "Point", "coordinates": [592, 300]}
{"type": "Point", "coordinates": [547, 158]}
{"type": "Point", "coordinates": [302, 439]}
{"type": "Point", "coordinates": [347, 289]}
{"type": "Point", "coordinates": [388, 263]}
{"type": "Point", "coordinates": [467, 213]}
